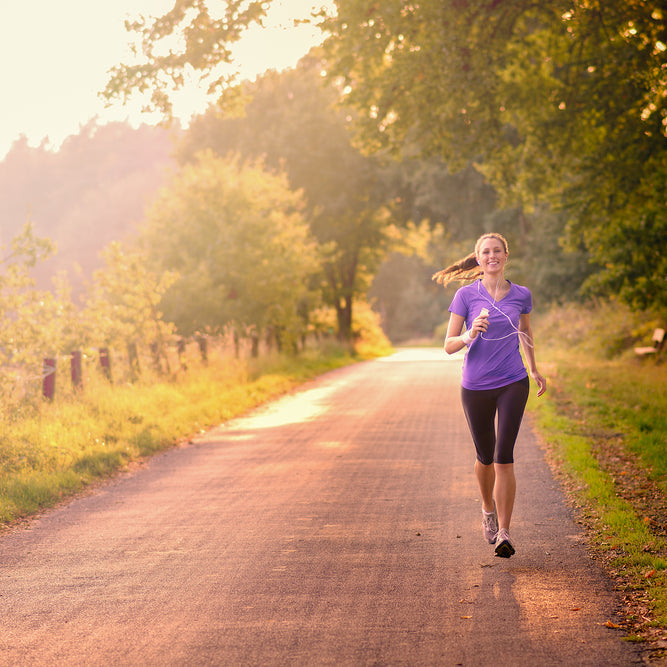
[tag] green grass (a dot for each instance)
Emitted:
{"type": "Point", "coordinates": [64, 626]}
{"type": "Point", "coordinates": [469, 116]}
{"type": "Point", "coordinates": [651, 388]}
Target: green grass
{"type": "Point", "coordinates": [604, 423]}
{"type": "Point", "coordinates": [49, 451]}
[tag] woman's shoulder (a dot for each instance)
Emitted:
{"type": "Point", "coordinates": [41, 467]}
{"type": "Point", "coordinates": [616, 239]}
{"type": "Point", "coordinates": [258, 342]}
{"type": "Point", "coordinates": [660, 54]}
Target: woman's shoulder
{"type": "Point", "coordinates": [470, 288]}
{"type": "Point", "coordinates": [522, 289]}
{"type": "Point", "coordinates": [522, 295]}
{"type": "Point", "coordinates": [462, 297]}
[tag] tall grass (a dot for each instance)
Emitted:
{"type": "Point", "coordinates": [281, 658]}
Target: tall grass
{"type": "Point", "coordinates": [604, 422]}
{"type": "Point", "coordinates": [50, 450]}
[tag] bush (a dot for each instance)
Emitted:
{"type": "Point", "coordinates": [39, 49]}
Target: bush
{"type": "Point", "coordinates": [369, 339]}
{"type": "Point", "coordinates": [601, 329]}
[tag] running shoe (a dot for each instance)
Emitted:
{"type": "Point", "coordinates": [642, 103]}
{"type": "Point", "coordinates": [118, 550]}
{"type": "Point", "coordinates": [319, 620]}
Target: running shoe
{"type": "Point", "coordinates": [504, 547]}
{"type": "Point", "coordinates": [490, 525]}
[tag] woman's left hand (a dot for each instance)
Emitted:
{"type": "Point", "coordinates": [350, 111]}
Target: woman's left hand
{"type": "Point", "coordinates": [540, 381]}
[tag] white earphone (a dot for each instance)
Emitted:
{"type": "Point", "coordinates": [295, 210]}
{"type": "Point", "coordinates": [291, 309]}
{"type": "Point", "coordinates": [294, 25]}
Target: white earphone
{"type": "Point", "coordinates": [527, 339]}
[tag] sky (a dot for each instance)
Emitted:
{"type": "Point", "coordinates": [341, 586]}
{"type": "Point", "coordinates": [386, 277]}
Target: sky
{"type": "Point", "coordinates": [55, 58]}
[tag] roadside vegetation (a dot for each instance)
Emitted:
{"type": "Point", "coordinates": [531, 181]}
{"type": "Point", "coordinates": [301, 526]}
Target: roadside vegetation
{"type": "Point", "coordinates": [51, 450]}
{"type": "Point", "coordinates": [604, 426]}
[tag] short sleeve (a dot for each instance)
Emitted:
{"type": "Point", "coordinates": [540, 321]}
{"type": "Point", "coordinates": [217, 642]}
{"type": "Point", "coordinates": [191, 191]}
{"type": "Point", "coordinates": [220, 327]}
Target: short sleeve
{"type": "Point", "coordinates": [459, 305]}
{"type": "Point", "coordinates": [527, 305]}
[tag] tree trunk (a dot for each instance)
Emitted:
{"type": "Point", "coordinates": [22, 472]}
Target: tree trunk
{"type": "Point", "coordinates": [344, 314]}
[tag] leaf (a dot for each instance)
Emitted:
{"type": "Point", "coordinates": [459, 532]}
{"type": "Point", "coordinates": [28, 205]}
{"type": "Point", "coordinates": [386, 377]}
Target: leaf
{"type": "Point", "coordinates": [609, 624]}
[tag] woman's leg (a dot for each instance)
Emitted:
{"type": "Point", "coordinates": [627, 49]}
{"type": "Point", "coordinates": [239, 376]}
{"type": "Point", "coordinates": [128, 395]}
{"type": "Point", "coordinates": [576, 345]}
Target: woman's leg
{"type": "Point", "coordinates": [480, 410]}
{"type": "Point", "coordinates": [505, 491]}
{"type": "Point", "coordinates": [511, 406]}
{"type": "Point", "coordinates": [486, 478]}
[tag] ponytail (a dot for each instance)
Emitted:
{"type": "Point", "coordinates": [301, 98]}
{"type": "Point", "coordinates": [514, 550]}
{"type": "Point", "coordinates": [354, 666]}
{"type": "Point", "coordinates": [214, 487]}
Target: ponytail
{"type": "Point", "coordinates": [467, 268]}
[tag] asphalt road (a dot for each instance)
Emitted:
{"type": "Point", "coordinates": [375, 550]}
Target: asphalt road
{"type": "Point", "coordinates": [337, 526]}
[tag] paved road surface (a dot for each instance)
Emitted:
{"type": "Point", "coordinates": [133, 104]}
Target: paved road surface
{"type": "Point", "coordinates": [338, 526]}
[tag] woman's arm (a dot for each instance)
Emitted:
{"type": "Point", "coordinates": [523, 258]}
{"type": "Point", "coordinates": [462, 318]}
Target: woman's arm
{"type": "Point", "coordinates": [526, 338]}
{"type": "Point", "coordinates": [454, 341]}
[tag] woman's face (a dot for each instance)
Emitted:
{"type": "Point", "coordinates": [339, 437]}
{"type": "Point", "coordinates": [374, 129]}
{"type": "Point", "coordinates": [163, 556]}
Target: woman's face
{"type": "Point", "coordinates": [491, 255]}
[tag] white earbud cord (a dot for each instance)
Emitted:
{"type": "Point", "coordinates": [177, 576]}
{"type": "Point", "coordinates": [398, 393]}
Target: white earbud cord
{"type": "Point", "coordinates": [526, 338]}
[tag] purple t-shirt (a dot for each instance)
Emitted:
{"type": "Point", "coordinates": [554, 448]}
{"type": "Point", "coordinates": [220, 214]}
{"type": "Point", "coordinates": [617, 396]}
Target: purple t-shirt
{"type": "Point", "coordinates": [493, 359]}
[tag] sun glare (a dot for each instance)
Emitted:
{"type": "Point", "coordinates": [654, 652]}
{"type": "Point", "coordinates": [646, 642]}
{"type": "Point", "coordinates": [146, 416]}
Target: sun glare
{"type": "Point", "coordinates": [61, 62]}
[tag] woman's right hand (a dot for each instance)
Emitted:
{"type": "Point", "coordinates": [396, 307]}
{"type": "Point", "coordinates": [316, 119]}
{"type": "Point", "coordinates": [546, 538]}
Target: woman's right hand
{"type": "Point", "coordinates": [479, 325]}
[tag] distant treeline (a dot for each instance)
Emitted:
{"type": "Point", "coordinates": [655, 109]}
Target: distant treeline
{"type": "Point", "coordinates": [370, 228]}
{"type": "Point", "coordinates": [91, 191]}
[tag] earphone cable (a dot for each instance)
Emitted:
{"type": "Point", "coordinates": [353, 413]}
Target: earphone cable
{"type": "Point", "coordinates": [526, 338]}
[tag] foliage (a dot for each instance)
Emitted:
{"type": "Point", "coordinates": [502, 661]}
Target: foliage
{"type": "Point", "coordinates": [409, 303]}
{"type": "Point", "coordinates": [191, 37]}
{"type": "Point", "coordinates": [290, 121]}
{"type": "Point", "coordinates": [235, 235]}
{"type": "Point", "coordinates": [25, 312]}
{"type": "Point", "coordinates": [89, 192]}
{"type": "Point", "coordinates": [475, 84]}
{"type": "Point", "coordinates": [369, 339]}
{"type": "Point", "coordinates": [36, 324]}
{"type": "Point", "coordinates": [563, 101]}
{"type": "Point", "coordinates": [60, 447]}
{"type": "Point", "coordinates": [429, 189]}
{"type": "Point", "coordinates": [124, 299]}
{"type": "Point", "coordinates": [601, 330]}
{"type": "Point", "coordinates": [631, 249]}
{"type": "Point", "coordinates": [555, 273]}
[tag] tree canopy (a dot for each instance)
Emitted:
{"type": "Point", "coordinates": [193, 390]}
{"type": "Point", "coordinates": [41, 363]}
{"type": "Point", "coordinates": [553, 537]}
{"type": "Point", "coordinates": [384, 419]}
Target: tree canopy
{"type": "Point", "coordinates": [291, 122]}
{"type": "Point", "coordinates": [561, 102]}
{"type": "Point", "coordinates": [236, 237]}
{"type": "Point", "coordinates": [88, 193]}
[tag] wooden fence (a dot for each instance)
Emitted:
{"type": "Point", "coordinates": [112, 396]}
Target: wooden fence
{"type": "Point", "coordinates": [160, 360]}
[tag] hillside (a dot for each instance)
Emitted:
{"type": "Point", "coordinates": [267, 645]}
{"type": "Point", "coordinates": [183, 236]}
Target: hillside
{"type": "Point", "coordinates": [92, 191]}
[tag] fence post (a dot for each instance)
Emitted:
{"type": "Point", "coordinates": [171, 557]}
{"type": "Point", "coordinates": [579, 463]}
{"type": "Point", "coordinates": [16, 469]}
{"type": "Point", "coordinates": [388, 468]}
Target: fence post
{"type": "Point", "coordinates": [181, 347]}
{"type": "Point", "coordinates": [254, 347]}
{"type": "Point", "coordinates": [105, 362]}
{"type": "Point", "coordinates": [49, 378]}
{"type": "Point", "coordinates": [133, 359]}
{"type": "Point", "coordinates": [203, 347]}
{"type": "Point", "coordinates": [77, 378]}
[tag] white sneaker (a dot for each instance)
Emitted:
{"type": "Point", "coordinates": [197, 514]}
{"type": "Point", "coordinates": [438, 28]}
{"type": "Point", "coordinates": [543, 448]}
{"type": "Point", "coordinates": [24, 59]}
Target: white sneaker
{"type": "Point", "coordinates": [490, 525]}
{"type": "Point", "coordinates": [504, 547]}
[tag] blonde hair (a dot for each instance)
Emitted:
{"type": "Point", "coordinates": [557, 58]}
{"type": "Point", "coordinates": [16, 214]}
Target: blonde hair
{"type": "Point", "coordinates": [468, 267]}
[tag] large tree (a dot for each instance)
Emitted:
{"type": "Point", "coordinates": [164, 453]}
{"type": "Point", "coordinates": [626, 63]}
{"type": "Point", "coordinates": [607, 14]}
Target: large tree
{"type": "Point", "coordinates": [236, 237]}
{"type": "Point", "coordinates": [562, 101]}
{"type": "Point", "coordinates": [291, 121]}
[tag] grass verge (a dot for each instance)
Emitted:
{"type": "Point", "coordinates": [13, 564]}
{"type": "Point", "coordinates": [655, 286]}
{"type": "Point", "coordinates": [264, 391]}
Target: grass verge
{"type": "Point", "coordinates": [49, 451]}
{"type": "Point", "coordinates": [604, 424]}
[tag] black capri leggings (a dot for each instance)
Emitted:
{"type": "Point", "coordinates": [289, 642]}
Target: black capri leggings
{"type": "Point", "coordinates": [480, 407]}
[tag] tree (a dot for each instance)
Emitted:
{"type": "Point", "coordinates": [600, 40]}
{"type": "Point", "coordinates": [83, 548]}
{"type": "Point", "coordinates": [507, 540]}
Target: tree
{"type": "Point", "coordinates": [559, 104]}
{"type": "Point", "coordinates": [291, 121]}
{"type": "Point", "coordinates": [206, 34]}
{"type": "Point", "coordinates": [562, 101]}
{"type": "Point", "coordinates": [88, 193]}
{"type": "Point", "coordinates": [25, 312]}
{"type": "Point", "coordinates": [237, 239]}
{"type": "Point", "coordinates": [123, 304]}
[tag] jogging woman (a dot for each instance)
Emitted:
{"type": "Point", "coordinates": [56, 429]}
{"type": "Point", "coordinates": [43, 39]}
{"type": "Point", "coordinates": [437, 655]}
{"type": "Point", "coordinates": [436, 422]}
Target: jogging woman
{"type": "Point", "coordinates": [496, 315]}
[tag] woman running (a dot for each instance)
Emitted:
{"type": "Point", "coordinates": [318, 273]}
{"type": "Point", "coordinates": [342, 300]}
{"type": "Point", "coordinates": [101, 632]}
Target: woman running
{"type": "Point", "coordinates": [496, 315]}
